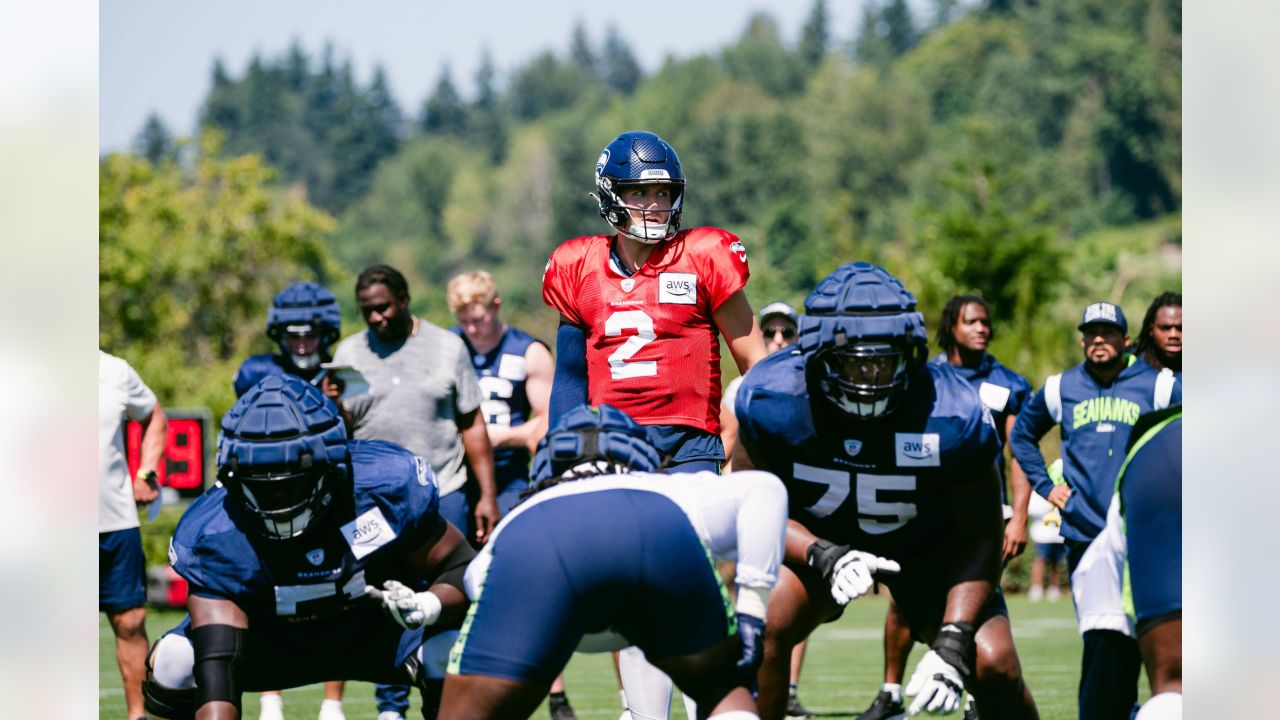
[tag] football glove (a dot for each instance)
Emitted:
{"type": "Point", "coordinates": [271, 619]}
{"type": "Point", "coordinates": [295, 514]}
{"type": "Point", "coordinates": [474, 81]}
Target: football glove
{"type": "Point", "coordinates": [751, 633]}
{"type": "Point", "coordinates": [849, 571]}
{"type": "Point", "coordinates": [409, 609]}
{"type": "Point", "coordinates": [938, 681]}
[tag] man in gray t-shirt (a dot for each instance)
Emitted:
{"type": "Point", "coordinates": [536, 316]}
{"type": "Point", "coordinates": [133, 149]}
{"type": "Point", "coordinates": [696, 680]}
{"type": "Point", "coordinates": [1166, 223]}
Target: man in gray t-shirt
{"type": "Point", "coordinates": [423, 395]}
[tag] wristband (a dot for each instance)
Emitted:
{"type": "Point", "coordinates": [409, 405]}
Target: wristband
{"type": "Point", "coordinates": [954, 644]}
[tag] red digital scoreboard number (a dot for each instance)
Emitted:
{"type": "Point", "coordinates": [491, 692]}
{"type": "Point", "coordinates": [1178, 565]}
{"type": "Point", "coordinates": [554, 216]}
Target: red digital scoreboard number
{"type": "Point", "coordinates": [184, 452]}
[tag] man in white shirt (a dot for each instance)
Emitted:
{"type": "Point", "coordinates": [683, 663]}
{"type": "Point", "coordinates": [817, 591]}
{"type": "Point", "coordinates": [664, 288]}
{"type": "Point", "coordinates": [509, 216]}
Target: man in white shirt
{"type": "Point", "coordinates": [122, 591]}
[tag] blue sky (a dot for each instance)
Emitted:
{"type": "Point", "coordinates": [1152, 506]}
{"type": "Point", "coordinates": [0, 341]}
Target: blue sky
{"type": "Point", "coordinates": [156, 55]}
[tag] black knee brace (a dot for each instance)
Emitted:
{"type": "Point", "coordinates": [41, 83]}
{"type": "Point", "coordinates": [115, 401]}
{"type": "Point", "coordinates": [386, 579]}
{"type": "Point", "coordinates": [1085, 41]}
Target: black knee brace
{"type": "Point", "coordinates": [168, 703]}
{"type": "Point", "coordinates": [217, 650]}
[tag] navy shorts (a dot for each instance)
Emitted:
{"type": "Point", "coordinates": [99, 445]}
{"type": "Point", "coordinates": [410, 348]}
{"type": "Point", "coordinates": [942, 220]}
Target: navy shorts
{"type": "Point", "coordinates": [122, 571]}
{"type": "Point", "coordinates": [620, 560]}
{"type": "Point", "coordinates": [920, 592]}
{"type": "Point", "coordinates": [457, 506]}
{"type": "Point", "coordinates": [1052, 553]}
{"type": "Point", "coordinates": [364, 645]}
{"type": "Point", "coordinates": [1151, 495]}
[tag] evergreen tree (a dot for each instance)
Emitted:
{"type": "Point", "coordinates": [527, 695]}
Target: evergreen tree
{"type": "Point", "coordinates": [154, 141]}
{"type": "Point", "coordinates": [580, 52]}
{"type": "Point", "coordinates": [619, 67]}
{"type": "Point", "coordinates": [815, 35]}
{"type": "Point", "coordinates": [444, 113]}
{"type": "Point", "coordinates": [486, 127]}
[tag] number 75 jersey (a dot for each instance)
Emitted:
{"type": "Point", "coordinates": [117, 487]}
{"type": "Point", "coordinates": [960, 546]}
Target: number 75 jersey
{"type": "Point", "coordinates": [882, 485]}
{"type": "Point", "coordinates": [653, 348]}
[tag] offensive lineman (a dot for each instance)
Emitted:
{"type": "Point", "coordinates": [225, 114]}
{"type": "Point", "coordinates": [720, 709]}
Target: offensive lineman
{"type": "Point", "coordinates": [649, 579]}
{"type": "Point", "coordinates": [886, 453]}
{"type": "Point", "coordinates": [282, 555]}
{"type": "Point", "coordinates": [304, 320]}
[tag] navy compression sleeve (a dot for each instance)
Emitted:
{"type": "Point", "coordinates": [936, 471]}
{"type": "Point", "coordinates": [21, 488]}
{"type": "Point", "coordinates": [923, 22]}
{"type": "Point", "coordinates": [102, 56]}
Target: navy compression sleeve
{"type": "Point", "coordinates": [569, 386]}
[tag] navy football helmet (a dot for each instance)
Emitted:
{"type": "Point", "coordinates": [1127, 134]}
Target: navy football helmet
{"type": "Point", "coordinates": [299, 312]}
{"type": "Point", "coordinates": [863, 336]}
{"type": "Point", "coordinates": [639, 158]}
{"type": "Point", "coordinates": [283, 453]}
{"type": "Point", "coordinates": [605, 437]}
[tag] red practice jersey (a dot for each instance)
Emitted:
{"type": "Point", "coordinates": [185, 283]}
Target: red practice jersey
{"type": "Point", "coordinates": [653, 349]}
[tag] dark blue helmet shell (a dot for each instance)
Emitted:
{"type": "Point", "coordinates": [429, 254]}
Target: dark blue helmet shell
{"type": "Point", "coordinates": [860, 301]}
{"type": "Point", "coordinates": [637, 157]}
{"type": "Point", "coordinates": [305, 303]}
{"type": "Point", "coordinates": [584, 435]}
{"type": "Point", "coordinates": [282, 449]}
{"type": "Point", "coordinates": [861, 317]}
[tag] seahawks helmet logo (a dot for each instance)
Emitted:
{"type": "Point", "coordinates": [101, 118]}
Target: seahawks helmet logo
{"type": "Point", "coordinates": [601, 162]}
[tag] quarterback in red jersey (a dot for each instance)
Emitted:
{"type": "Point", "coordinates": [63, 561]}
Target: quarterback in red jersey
{"type": "Point", "coordinates": [642, 310]}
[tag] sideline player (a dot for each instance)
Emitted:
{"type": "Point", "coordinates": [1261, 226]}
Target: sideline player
{"type": "Point", "coordinates": [886, 453]}
{"type": "Point", "coordinates": [649, 579]}
{"type": "Point", "coordinates": [1095, 405]}
{"type": "Point", "coordinates": [514, 370]}
{"type": "Point", "coordinates": [964, 333]}
{"type": "Point", "coordinates": [642, 310]}
{"type": "Point", "coordinates": [282, 553]}
{"type": "Point", "coordinates": [304, 320]}
{"type": "Point", "coordinates": [1150, 506]}
{"type": "Point", "coordinates": [1159, 342]}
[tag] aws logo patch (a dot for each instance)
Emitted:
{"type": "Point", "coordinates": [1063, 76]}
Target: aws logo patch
{"type": "Point", "coordinates": [917, 449]}
{"type": "Point", "coordinates": [678, 288]}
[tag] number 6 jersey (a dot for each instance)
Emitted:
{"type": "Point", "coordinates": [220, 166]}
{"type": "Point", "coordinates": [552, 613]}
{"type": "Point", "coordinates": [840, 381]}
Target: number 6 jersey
{"type": "Point", "coordinates": [880, 485]}
{"type": "Point", "coordinates": [653, 349]}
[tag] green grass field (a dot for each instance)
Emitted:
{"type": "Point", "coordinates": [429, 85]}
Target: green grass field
{"type": "Point", "coordinates": [841, 673]}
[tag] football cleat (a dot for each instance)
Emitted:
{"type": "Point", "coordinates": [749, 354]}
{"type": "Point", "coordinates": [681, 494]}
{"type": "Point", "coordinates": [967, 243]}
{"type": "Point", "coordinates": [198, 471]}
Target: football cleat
{"type": "Point", "coordinates": [884, 707]}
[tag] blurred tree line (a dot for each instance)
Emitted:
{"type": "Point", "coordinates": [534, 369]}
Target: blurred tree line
{"type": "Point", "coordinates": [1025, 150]}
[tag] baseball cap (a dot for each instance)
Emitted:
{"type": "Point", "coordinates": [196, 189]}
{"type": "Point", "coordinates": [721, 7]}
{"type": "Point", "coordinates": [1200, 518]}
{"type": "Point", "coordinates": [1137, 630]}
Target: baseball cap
{"type": "Point", "coordinates": [779, 308]}
{"type": "Point", "coordinates": [1103, 313]}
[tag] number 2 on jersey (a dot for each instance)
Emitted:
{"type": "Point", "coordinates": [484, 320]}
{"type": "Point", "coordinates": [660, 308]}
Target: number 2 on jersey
{"type": "Point", "coordinates": [619, 367]}
{"type": "Point", "coordinates": [875, 517]}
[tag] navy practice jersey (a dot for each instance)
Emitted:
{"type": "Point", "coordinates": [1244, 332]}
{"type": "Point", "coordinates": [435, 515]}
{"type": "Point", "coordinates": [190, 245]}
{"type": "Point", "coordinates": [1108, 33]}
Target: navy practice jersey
{"type": "Point", "coordinates": [1002, 390]}
{"type": "Point", "coordinates": [260, 366]}
{"type": "Point", "coordinates": [879, 485]}
{"type": "Point", "coordinates": [363, 538]}
{"type": "Point", "coordinates": [503, 381]}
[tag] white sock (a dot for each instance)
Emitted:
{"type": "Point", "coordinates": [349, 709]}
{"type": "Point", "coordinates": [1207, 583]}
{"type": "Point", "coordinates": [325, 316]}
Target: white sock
{"type": "Point", "coordinates": [894, 690]}
{"type": "Point", "coordinates": [331, 710]}
{"type": "Point", "coordinates": [1165, 706]}
{"type": "Point", "coordinates": [271, 707]}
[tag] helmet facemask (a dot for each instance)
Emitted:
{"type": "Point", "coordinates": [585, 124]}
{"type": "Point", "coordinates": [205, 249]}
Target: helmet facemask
{"type": "Point", "coordinates": [287, 500]}
{"type": "Point", "coordinates": [864, 379]}
{"type": "Point", "coordinates": [303, 344]}
{"type": "Point", "coordinates": [649, 226]}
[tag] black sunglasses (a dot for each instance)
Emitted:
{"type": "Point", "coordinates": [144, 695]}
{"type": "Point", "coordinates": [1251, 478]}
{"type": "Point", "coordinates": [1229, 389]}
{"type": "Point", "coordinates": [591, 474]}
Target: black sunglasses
{"type": "Point", "coordinates": [787, 333]}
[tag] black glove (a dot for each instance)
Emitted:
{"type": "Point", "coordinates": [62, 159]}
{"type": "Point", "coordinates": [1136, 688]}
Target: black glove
{"type": "Point", "coordinates": [823, 554]}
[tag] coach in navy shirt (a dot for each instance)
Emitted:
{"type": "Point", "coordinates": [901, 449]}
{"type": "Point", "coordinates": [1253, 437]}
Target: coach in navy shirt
{"type": "Point", "coordinates": [1095, 404]}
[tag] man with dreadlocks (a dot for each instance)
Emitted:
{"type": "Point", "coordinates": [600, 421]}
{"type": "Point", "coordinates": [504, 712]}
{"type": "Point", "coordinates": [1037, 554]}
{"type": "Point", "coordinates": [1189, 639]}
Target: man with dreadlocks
{"type": "Point", "coordinates": [649, 580]}
{"type": "Point", "coordinates": [1160, 342]}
